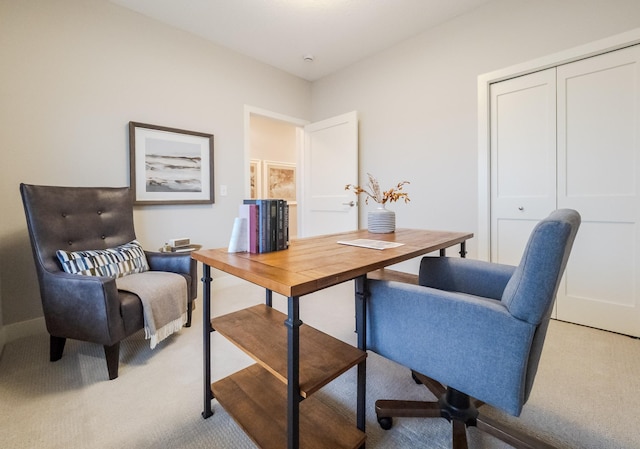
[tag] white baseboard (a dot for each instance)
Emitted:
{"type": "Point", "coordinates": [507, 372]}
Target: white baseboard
{"type": "Point", "coordinates": [14, 331]}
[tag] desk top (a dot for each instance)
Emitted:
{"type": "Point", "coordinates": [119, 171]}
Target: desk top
{"type": "Point", "coordinates": [313, 263]}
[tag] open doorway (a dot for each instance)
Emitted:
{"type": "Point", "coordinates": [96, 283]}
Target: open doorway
{"type": "Point", "coordinates": [272, 144]}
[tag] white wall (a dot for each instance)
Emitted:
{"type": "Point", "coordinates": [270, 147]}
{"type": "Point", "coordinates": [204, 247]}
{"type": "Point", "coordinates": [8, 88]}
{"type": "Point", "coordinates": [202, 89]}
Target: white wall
{"type": "Point", "coordinates": [272, 139]}
{"type": "Point", "coordinates": [417, 101]}
{"type": "Point", "coordinates": [74, 73]}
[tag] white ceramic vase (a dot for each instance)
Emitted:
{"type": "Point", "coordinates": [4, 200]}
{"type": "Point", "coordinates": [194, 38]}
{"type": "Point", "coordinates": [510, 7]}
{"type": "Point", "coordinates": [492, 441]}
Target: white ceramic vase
{"type": "Point", "coordinates": [381, 220]}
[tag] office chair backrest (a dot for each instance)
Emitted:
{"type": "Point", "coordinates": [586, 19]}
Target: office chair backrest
{"type": "Point", "coordinates": [531, 291]}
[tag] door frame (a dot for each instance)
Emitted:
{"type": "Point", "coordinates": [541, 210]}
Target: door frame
{"type": "Point", "coordinates": [612, 43]}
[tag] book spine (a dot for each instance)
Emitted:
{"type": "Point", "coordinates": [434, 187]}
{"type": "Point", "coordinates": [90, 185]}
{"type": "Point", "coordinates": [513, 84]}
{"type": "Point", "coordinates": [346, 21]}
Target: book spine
{"type": "Point", "coordinates": [254, 229]}
{"type": "Point", "coordinates": [280, 227]}
{"type": "Point", "coordinates": [262, 213]}
{"type": "Point", "coordinates": [262, 226]}
{"type": "Point", "coordinates": [273, 225]}
{"type": "Point", "coordinates": [286, 225]}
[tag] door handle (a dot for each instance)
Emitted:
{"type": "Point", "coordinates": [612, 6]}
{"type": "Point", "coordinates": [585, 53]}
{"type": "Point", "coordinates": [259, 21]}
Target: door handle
{"type": "Point", "coordinates": [350, 204]}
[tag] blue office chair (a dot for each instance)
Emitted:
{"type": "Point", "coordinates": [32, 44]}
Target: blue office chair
{"type": "Point", "coordinates": [472, 326]}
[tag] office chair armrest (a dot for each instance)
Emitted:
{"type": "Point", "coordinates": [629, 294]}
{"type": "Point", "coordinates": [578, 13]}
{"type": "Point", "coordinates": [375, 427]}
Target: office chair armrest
{"type": "Point", "coordinates": [82, 307]}
{"type": "Point", "coordinates": [180, 263]}
{"type": "Point", "coordinates": [473, 277]}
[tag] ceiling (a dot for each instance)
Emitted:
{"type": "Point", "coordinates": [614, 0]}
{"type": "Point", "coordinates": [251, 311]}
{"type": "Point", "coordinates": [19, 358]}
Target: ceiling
{"type": "Point", "coordinates": [336, 33]}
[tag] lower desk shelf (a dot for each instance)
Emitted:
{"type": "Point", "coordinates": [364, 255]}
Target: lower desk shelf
{"type": "Point", "coordinates": [260, 332]}
{"type": "Point", "coordinates": [256, 397]}
{"type": "Point", "coordinates": [258, 403]}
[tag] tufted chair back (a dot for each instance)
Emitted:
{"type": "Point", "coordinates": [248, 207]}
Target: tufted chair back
{"type": "Point", "coordinates": [76, 219]}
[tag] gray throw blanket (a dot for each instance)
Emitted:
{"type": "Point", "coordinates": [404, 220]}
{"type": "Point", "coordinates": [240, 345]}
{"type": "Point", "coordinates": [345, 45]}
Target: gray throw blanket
{"type": "Point", "coordinates": [164, 301]}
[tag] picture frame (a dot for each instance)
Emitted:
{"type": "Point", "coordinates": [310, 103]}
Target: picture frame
{"type": "Point", "coordinates": [170, 165]}
{"type": "Point", "coordinates": [255, 177]}
{"type": "Point", "coordinates": [280, 181]}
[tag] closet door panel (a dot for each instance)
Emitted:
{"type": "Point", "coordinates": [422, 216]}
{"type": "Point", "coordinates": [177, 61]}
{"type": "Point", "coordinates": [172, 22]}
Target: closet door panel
{"type": "Point", "coordinates": [598, 168]}
{"type": "Point", "coordinates": [523, 160]}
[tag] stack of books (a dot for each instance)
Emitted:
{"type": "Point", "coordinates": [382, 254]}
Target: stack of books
{"type": "Point", "coordinates": [266, 224]}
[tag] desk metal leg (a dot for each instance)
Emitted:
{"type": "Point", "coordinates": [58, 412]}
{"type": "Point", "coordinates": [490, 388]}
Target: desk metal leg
{"type": "Point", "coordinates": [268, 297]}
{"type": "Point", "coordinates": [462, 252]}
{"type": "Point", "coordinates": [206, 339]}
{"type": "Point", "coordinates": [361, 327]}
{"type": "Point", "coordinates": [293, 324]}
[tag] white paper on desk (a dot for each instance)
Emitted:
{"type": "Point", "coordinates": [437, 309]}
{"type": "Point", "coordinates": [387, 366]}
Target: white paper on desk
{"type": "Point", "coordinates": [369, 243]}
{"type": "Point", "coordinates": [238, 240]}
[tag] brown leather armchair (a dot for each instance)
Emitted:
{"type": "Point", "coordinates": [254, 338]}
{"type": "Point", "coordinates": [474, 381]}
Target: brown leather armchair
{"type": "Point", "coordinates": [90, 308]}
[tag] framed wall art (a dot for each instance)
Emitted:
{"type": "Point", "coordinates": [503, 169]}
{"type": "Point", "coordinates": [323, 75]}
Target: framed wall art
{"type": "Point", "coordinates": [255, 176]}
{"type": "Point", "coordinates": [280, 180]}
{"type": "Point", "coordinates": [170, 166]}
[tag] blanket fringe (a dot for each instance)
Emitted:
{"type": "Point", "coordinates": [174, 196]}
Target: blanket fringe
{"type": "Point", "coordinates": [164, 331]}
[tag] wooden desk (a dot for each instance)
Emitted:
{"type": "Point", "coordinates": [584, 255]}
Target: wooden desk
{"type": "Point", "coordinates": [300, 357]}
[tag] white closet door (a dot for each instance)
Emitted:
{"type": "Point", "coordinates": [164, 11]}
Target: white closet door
{"type": "Point", "coordinates": [598, 175]}
{"type": "Point", "coordinates": [523, 160]}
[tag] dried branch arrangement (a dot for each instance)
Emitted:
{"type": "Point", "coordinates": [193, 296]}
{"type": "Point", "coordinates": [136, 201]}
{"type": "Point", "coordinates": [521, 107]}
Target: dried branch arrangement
{"type": "Point", "coordinates": [372, 190]}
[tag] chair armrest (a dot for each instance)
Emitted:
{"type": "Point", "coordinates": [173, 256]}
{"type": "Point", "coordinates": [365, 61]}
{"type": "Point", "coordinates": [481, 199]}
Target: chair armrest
{"type": "Point", "coordinates": [180, 263]}
{"type": "Point", "coordinates": [470, 343]}
{"type": "Point", "coordinates": [82, 307]}
{"type": "Point", "coordinates": [474, 277]}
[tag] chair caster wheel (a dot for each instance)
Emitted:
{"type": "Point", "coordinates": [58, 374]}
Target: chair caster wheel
{"type": "Point", "coordinates": [385, 423]}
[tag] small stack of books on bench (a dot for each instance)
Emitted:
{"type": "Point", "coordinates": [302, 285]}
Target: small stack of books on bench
{"type": "Point", "coordinates": [267, 224]}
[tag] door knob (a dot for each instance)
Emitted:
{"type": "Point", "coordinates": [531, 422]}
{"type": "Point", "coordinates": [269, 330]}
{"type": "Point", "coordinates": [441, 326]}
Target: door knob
{"type": "Point", "coordinates": [520, 208]}
{"type": "Point", "coordinates": [350, 204]}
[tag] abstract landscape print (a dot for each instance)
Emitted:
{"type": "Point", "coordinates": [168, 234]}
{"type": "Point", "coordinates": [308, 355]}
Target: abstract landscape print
{"type": "Point", "coordinates": [172, 166]}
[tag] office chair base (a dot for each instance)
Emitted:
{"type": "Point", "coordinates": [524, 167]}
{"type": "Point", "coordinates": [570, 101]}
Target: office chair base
{"type": "Point", "coordinates": [459, 409]}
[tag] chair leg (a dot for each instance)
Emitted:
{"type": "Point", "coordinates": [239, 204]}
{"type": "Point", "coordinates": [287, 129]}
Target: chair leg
{"type": "Point", "coordinates": [433, 386]}
{"type": "Point", "coordinates": [410, 409]}
{"type": "Point", "coordinates": [112, 354]}
{"type": "Point", "coordinates": [509, 435]}
{"type": "Point", "coordinates": [56, 347]}
{"type": "Point", "coordinates": [189, 313]}
{"type": "Point", "coordinates": [459, 435]}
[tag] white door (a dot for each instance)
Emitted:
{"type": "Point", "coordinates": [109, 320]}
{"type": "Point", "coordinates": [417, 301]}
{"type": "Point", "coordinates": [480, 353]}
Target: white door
{"type": "Point", "coordinates": [523, 160]}
{"type": "Point", "coordinates": [598, 175]}
{"type": "Point", "coordinates": [329, 162]}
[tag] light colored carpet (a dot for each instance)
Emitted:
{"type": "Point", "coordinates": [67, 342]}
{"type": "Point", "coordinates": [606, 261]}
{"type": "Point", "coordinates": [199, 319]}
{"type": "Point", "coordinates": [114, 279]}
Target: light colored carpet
{"type": "Point", "coordinates": [587, 392]}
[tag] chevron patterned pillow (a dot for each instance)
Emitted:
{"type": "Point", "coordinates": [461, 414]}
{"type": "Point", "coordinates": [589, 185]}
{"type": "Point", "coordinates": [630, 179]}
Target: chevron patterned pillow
{"type": "Point", "coordinates": [112, 262]}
